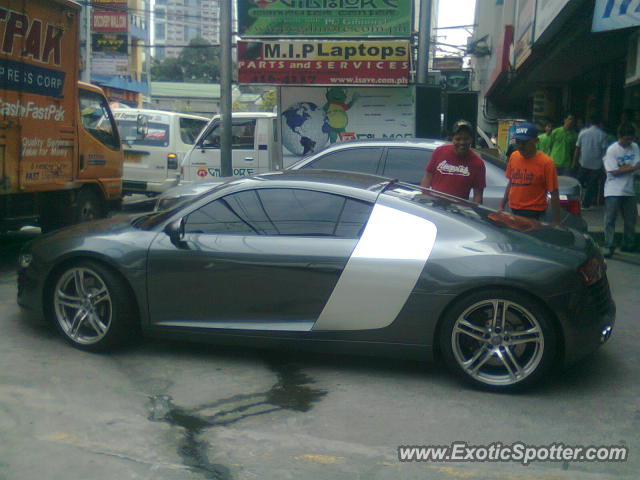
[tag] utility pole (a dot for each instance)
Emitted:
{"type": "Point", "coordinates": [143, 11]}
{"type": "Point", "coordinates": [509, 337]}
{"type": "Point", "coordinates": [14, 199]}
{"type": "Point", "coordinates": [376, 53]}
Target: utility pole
{"type": "Point", "coordinates": [225, 87]}
{"type": "Point", "coordinates": [424, 42]}
{"type": "Point", "coordinates": [86, 73]}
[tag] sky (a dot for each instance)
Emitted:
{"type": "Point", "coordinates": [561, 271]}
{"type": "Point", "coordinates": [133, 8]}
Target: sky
{"type": "Point", "coordinates": [454, 13]}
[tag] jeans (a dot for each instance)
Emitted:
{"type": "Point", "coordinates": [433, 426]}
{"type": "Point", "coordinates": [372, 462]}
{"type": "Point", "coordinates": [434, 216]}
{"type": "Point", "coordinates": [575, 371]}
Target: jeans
{"type": "Point", "coordinates": [590, 181]}
{"type": "Point", "coordinates": [627, 205]}
{"type": "Point", "coordinates": [535, 214]}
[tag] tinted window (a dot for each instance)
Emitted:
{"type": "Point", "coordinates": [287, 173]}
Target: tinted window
{"type": "Point", "coordinates": [242, 135]}
{"type": "Point", "coordinates": [363, 160]}
{"type": "Point", "coordinates": [281, 212]}
{"type": "Point", "coordinates": [309, 213]}
{"type": "Point", "coordinates": [406, 164]}
{"type": "Point", "coordinates": [190, 128]}
{"type": "Point", "coordinates": [157, 134]}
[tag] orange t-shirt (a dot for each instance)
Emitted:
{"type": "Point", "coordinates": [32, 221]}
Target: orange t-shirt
{"type": "Point", "coordinates": [531, 179]}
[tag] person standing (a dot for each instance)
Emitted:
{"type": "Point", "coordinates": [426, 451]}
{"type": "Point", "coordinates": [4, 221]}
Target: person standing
{"type": "Point", "coordinates": [621, 162]}
{"type": "Point", "coordinates": [590, 148]}
{"type": "Point", "coordinates": [562, 142]}
{"type": "Point", "coordinates": [531, 175]}
{"type": "Point", "coordinates": [455, 169]}
{"type": "Point", "coordinates": [544, 140]}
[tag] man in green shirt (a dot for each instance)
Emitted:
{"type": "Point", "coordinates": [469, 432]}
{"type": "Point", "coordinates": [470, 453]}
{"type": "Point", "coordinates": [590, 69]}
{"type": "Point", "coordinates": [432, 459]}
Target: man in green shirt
{"type": "Point", "coordinates": [562, 142]}
{"type": "Point", "coordinates": [544, 140]}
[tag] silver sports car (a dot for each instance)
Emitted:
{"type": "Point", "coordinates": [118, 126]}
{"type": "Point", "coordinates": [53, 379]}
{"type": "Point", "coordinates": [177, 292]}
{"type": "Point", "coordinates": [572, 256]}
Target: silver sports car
{"type": "Point", "coordinates": [335, 260]}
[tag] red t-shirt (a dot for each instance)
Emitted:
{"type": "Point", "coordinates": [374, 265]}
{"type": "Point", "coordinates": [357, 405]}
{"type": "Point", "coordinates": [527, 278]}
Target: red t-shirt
{"type": "Point", "coordinates": [455, 175]}
{"type": "Point", "coordinates": [531, 179]}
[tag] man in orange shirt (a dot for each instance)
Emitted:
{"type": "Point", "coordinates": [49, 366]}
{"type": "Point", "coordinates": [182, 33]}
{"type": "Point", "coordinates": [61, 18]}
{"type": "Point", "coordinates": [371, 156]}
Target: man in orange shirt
{"type": "Point", "coordinates": [531, 175]}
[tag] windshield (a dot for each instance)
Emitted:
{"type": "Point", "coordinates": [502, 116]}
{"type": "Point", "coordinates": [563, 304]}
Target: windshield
{"type": "Point", "coordinates": [157, 135]}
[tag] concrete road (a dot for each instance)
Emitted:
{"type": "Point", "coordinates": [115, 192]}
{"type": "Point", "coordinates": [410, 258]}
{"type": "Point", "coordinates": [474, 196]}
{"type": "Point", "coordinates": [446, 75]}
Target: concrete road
{"type": "Point", "coordinates": [175, 411]}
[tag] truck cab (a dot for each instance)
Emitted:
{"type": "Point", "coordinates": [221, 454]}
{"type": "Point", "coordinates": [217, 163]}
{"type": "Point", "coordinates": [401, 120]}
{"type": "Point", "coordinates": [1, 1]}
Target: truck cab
{"type": "Point", "coordinates": [255, 148]}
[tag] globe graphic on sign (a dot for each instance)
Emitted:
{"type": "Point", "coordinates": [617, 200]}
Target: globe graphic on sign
{"type": "Point", "coordinates": [305, 128]}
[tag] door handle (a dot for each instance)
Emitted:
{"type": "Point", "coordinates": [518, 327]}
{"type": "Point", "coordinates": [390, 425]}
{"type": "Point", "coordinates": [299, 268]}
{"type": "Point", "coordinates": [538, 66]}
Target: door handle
{"type": "Point", "coordinates": [248, 159]}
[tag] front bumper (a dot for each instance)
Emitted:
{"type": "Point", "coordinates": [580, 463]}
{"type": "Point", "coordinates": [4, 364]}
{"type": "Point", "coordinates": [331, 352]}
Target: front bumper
{"type": "Point", "coordinates": [137, 186]}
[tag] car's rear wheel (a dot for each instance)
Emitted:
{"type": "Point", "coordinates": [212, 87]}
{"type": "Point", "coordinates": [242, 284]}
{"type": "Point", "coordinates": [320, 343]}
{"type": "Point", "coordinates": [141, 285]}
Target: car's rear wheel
{"type": "Point", "coordinates": [92, 307]}
{"type": "Point", "coordinates": [498, 340]}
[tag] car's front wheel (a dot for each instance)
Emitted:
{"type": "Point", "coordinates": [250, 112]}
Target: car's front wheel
{"type": "Point", "coordinates": [498, 340]}
{"type": "Point", "coordinates": [92, 307]}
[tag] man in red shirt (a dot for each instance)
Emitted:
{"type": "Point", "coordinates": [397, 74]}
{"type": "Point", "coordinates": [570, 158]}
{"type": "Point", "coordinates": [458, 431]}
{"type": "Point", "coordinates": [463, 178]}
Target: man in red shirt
{"type": "Point", "coordinates": [455, 169]}
{"type": "Point", "coordinates": [531, 175]}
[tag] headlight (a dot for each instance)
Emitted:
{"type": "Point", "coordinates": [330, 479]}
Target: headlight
{"type": "Point", "coordinates": [25, 259]}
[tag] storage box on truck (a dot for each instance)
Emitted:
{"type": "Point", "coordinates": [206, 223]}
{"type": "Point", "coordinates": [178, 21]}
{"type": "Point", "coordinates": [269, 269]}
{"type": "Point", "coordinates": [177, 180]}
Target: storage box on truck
{"type": "Point", "coordinates": [60, 154]}
{"type": "Point", "coordinates": [255, 148]}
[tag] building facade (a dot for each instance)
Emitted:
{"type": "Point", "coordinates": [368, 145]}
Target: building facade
{"type": "Point", "coordinates": [177, 22]}
{"type": "Point", "coordinates": [542, 59]}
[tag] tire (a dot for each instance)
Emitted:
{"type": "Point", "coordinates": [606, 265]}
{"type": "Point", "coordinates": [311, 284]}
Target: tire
{"type": "Point", "coordinates": [88, 206]}
{"type": "Point", "coordinates": [92, 307]}
{"type": "Point", "coordinates": [508, 351]}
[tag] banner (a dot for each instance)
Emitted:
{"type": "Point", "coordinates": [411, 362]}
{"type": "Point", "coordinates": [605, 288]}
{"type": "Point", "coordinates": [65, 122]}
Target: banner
{"type": "Point", "coordinates": [291, 62]}
{"type": "Point", "coordinates": [341, 18]}
{"type": "Point", "coordinates": [109, 43]}
{"type": "Point", "coordinates": [615, 14]}
{"type": "Point", "coordinates": [109, 21]}
{"type": "Point", "coordinates": [110, 64]}
{"type": "Point", "coordinates": [314, 117]}
{"type": "Point", "coordinates": [524, 31]}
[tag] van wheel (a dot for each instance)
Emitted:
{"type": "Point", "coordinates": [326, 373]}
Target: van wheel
{"type": "Point", "coordinates": [88, 206]}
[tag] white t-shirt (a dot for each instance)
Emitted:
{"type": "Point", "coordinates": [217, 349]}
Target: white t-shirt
{"type": "Point", "coordinates": [616, 157]}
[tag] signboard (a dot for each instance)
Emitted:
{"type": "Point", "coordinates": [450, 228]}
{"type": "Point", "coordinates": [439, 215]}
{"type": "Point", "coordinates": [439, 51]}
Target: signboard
{"type": "Point", "coordinates": [524, 30]}
{"type": "Point", "coordinates": [546, 12]}
{"type": "Point", "coordinates": [109, 64]}
{"type": "Point", "coordinates": [615, 14]}
{"type": "Point", "coordinates": [109, 21]}
{"type": "Point", "coordinates": [109, 43]}
{"type": "Point", "coordinates": [447, 63]}
{"type": "Point", "coordinates": [318, 62]}
{"type": "Point", "coordinates": [314, 117]}
{"type": "Point", "coordinates": [326, 18]}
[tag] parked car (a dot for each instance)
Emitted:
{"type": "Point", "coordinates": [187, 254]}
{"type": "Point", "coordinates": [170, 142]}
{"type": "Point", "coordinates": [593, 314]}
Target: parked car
{"type": "Point", "coordinates": [155, 142]}
{"type": "Point", "coordinates": [405, 161]}
{"type": "Point", "coordinates": [331, 260]}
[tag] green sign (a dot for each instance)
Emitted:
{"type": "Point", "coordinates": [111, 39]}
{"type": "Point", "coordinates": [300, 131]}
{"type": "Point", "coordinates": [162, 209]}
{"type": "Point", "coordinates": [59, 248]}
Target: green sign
{"type": "Point", "coordinates": [325, 18]}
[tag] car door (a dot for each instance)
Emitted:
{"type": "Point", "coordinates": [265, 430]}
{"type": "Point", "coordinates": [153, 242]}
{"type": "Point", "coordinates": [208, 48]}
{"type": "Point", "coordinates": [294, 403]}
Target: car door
{"type": "Point", "coordinates": [265, 259]}
{"type": "Point", "coordinates": [204, 159]}
{"type": "Point", "coordinates": [357, 159]}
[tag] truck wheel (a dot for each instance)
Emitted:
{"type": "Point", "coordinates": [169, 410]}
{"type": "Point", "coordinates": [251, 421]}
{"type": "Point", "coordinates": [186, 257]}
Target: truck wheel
{"type": "Point", "coordinates": [88, 206]}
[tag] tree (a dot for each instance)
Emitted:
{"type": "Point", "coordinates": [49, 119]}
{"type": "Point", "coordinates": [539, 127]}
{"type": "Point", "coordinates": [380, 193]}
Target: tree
{"type": "Point", "coordinates": [199, 62]}
{"type": "Point", "coordinates": [269, 100]}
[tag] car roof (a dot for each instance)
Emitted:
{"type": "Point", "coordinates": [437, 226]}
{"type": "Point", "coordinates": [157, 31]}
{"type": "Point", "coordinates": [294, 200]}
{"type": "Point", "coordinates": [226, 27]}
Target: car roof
{"type": "Point", "coordinates": [336, 178]}
{"type": "Point", "coordinates": [147, 111]}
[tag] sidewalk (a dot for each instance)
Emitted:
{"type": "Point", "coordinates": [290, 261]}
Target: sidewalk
{"type": "Point", "coordinates": [595, 222]}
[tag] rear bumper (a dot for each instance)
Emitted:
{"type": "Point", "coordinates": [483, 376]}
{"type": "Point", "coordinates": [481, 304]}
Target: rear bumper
{"type": "Point", "coordinates": [137, 186]}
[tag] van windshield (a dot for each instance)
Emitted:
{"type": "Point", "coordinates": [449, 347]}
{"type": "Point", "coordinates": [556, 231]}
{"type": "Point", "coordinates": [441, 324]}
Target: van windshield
{"type": "Point", "coordinates": [157, 134]}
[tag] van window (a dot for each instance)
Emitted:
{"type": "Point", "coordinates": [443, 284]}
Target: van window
{"type": "Point", "coordinates": [242, 135]}
{"type": "Point", "coordinates": [190, 128]}
{"type": "Point", "coordinates": [96, 118]}
{"type": "Point", "coordinates": [157, 133]}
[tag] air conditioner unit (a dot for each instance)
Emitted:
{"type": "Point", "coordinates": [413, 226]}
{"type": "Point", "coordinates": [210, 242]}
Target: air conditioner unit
{"type": "Point", "coordinates": [632, 76]}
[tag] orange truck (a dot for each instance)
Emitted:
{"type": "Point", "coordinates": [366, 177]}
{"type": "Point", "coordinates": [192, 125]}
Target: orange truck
{"type": "Point", "coordinates": [60, 153]}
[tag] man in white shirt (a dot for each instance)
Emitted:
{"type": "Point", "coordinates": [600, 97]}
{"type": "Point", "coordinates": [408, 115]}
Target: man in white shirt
{"type": "Point", "coordinates": [621, 162]}
{"type": "Point", "coordinates": [590, 148]}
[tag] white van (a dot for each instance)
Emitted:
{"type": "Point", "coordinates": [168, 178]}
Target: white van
{"type": "Point", "coordinates": [255, 148]}
{"type": "Point", "coordinates": [154, 144]}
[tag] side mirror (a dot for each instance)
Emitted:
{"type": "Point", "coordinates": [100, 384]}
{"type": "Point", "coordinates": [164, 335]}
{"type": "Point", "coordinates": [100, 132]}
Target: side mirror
{"type": "Point", "coordinates": [175, 231]}
{"type": "Point", "coordinates": [142, 126]}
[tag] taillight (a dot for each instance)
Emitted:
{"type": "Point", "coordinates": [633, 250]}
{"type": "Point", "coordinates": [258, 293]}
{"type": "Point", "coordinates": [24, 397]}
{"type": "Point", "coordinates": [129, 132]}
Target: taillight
{"type": "Point", "coordinates": [571, 206]}
{"type": "Point", "coordinates": [592, 270]}
{"type": "Point", "coordinates": [172, 161]}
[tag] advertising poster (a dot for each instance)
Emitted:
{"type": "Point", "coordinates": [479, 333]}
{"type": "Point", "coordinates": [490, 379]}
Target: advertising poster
{"type": "Point", "coordinates": [109, 64]}
{"type": "Point", "coordinates": [314, 117]}
{"type": "Point", "coordinates": [109, 43]}
{"type": "Point", "coordinates": [524, 30]}
{"type": "Point", "coordinates": [324, 62]}
{"type": "Point", "coordinates": [326, 18]}
{"type": "Point", "coordinates": [615, 14]}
